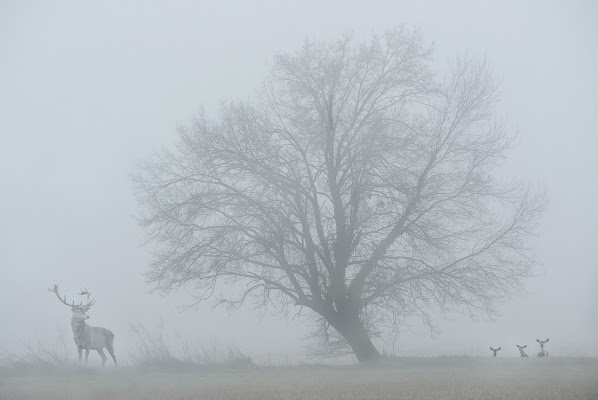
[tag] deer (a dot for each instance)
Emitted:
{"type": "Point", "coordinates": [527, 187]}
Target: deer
{"type": "Point", "coordinates": [87, 337]}
{"type": "Point", "coordinates": [494, 351]}
{"type": "Point", "coordinates": [542, 353]}
{"type": "Point", "coordinates": [522, 351]}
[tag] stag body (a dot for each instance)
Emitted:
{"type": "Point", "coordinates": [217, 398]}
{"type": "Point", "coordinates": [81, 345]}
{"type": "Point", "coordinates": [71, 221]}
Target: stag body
{"type": "Point", "coordinates": [88, 337]}
{"type": "Point", "coordinates": [494, 351]}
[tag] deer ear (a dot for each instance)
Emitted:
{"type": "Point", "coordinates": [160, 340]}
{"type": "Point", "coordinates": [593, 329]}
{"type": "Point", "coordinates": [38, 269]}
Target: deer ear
{"type": "Point", "coordinates": [538, 340]}
{"type": "Point", "coordinates": [525, 346]}
{"type": "Point", "coordinates": [491, 349]}
{"type": "Point", "coordinates": [547, 340]}
{"type": "Point", "coordinates": [85, 309]}
{"type": "Point", "coordinates": [499, 348]}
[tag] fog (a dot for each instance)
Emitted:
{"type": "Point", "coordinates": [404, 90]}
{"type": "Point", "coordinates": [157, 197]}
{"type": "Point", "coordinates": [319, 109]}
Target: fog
{"type": "Point", "coordinates": [89, 89]}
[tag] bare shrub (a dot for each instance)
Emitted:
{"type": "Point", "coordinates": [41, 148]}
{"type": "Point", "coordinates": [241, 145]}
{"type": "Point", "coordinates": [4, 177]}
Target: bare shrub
{"type": "Point", "coordinates": [39, 357]}
{"type": "Point", "coordinates": [155, 352]}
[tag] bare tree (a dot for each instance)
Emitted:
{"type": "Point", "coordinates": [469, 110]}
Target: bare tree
{"type": "Point", "coordinates": [359, 185]}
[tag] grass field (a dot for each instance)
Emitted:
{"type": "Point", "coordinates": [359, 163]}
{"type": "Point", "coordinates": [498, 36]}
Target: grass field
{"type": "Point", "coordinates": [408, 378]}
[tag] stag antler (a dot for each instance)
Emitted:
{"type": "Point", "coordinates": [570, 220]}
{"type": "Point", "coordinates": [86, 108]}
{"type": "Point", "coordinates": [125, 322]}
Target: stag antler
{"type": "Point", "coordinates": [63, 299]}
{"type": "Point", "coordinates": [85, 292]}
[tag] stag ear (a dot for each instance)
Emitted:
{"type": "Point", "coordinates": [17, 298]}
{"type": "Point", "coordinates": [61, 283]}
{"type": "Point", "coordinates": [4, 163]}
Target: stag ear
{"type": "Point", "coordinates": [499, 348]}
{"type": "Point", "coordinates": [538, 340]}
{"type": "Point", "coordinates": [525, 346]}
{"type": "Point", "coordinates": [85, 309]}
{"type": "Point", "coordinates": [547, 340]}
{"type": "Point", "coordinates": [491, 349]}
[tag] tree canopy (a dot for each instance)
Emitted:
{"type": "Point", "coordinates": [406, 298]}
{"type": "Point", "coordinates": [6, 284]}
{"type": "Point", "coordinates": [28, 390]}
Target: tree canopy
{"type": "Point", "coordinates": [360, 184]}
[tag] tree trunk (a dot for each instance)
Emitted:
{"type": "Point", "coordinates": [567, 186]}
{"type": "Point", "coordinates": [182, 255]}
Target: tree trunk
{"type": "Point", "coordinates": [354, 332]}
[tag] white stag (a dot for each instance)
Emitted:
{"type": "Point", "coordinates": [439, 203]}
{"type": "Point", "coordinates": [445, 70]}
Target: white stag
{"type": "Point", "coordinates": [87, 337]}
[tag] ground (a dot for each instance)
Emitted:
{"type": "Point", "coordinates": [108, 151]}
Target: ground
{"type": "Point", "coordinates": [405, 378]}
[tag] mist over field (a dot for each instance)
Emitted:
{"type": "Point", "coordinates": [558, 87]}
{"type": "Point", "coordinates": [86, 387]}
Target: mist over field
{"type": "Point", "coordinates": [420, 378]}
{"type": "Point", "coordinates": [91, 91]}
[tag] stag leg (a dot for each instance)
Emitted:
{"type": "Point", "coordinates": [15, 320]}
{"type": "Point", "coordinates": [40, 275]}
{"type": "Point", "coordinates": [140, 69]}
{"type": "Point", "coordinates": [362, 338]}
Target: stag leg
{"type": "Point", "coordinates": [80, 353]}
{"type": "Point", "coordinates": [111, 351]}
{"type": "Point", "coordinates": [104, 358]}
{"type": "Point", "coordinates": [86, 354]}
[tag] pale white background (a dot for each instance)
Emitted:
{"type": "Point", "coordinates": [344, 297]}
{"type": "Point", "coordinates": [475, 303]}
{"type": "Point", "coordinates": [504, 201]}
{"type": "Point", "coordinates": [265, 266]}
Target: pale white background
{"type": "Point", "coordinates": [88, 89]}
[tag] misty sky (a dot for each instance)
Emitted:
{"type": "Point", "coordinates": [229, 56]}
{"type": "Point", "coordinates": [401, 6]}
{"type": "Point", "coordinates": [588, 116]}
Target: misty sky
{"type": "Point", "coordinates": [88, 89]}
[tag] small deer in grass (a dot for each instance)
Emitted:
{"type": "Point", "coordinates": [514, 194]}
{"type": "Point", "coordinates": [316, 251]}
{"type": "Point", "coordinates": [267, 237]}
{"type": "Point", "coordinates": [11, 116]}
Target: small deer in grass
{"type": "Point", "coordinates": [522, 351]}
{"type": "Point", "coordinates": [542, 353]}
{"type": "Point", "coordinates": [494, 351]}
{"type": "Point", "coordinates": [87, 337]}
